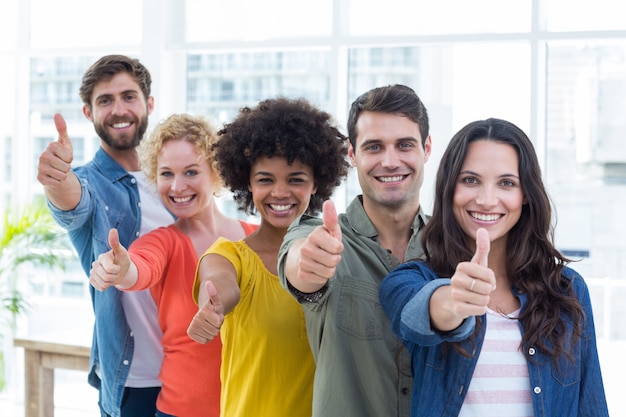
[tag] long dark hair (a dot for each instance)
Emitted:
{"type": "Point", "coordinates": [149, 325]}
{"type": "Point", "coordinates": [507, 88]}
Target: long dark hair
{"type": "Point", "coordinates": [533, 264]}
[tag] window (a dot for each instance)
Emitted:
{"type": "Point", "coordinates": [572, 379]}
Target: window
{"type": "Point", "coordinates": [581, 15]}
{"type": "Point", "coordinates": [239, 20]}
{"type": "Point", "coordinates": [77, 24]}
{"type": "Point", "coordinates": [405, 18]}
{"type": "Point", "coordinates": [219, 84]}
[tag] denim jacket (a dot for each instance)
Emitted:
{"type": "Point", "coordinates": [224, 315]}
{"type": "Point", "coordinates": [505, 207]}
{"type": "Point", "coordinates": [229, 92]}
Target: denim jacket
{"type": "Point", "coordinates": [109, 198]}
{"type": "Point", "coordinates": [442, 375]}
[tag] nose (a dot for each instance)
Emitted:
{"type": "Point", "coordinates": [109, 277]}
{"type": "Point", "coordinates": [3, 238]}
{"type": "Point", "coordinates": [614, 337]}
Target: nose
{"type": "Point", "coordinates": [280, 190]}
{"type": "Point", "coordinates": [119, 107]}
{"type": "Point", "coordinates": [487, 196]}
{"type": "Point", "coordinates": [178, 183]}
{"type": "Point", "coordinates": [390, 158]}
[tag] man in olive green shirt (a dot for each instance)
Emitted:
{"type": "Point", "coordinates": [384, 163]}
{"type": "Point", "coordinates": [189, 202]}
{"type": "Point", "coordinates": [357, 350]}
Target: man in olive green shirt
{"type": "Point", "coordinates": [334, 265]}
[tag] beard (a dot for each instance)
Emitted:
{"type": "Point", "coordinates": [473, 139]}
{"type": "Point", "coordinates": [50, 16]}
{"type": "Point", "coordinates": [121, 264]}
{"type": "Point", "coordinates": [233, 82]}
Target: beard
{"type": "Point", "coordinates": [124, 141]}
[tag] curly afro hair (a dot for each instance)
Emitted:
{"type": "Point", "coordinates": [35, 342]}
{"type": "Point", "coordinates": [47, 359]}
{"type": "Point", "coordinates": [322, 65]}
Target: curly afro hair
{"type": "Point", "coordinates": [288, 128]}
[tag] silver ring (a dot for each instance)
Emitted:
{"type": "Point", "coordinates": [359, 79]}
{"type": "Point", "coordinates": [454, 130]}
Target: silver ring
{"type": "Point", "coordinates": [472, 285]}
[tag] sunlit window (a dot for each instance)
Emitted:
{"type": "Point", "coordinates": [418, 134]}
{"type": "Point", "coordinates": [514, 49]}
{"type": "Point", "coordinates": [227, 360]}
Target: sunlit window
{"type": "Point", "coordinates": [8, 24]}
{"type": "Point", "coordinates": [574, 15]}
{"type": "Point", "coordinates": [218, 85]}
{"type": "Point", "coordinates": [401, 17]}
{"type": "Point", "coordinates": [253, 20]}
{"type": "Point", "coordinates": [54, 86]}
{"type": "Point", "coordinates": [76, 23]}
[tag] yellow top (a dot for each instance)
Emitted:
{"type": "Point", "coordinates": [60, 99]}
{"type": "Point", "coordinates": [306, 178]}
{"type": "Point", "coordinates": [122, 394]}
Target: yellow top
{"type": "Point", "coordinates": [267, 365]}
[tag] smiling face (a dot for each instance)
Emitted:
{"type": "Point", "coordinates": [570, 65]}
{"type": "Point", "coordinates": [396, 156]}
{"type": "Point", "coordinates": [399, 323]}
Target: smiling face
{"type": "Point", "coordinates": [488, 191]}
{"type": "Point", "coordinates": [389, 158]}
{"type": "Point", "coordinates": [281, 192]}
{"type": "Point", "coordinates": [184, 178]}
{"type": "Point", "coordinates": [119, 112]}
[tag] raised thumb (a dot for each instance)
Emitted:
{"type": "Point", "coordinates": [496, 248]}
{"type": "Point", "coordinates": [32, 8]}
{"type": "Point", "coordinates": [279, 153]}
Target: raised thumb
{"type": "Point", "coordinates": [481, 256]}
{"type": "Point", "coordinates": [330, 219]}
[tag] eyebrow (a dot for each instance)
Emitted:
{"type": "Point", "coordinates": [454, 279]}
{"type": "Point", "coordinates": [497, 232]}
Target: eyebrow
{"type": "Point", "coordinates": [376, 141]}
{"type": "Point", "coordinates": [194, 165]}
{"type": "Point", "coordinates": [122, 93]}
{"type": "Point", "coordinates": [269, 174]}
{"type": "Point", "coordinates": [467, 171]}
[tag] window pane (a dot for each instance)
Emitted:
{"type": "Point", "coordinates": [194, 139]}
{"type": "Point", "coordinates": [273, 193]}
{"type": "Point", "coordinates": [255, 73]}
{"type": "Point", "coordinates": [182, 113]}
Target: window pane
{"type": "Point", "coordinates": [571, 15]}
{"type": "Point", "coordinates": [79, 23]}
{"type": "Point", "coordinates": [253, 20]}
{"type": "Point", "coordinates": [586, 166]}
{"type": "Point", "coordinates": [6, 175]}
{"type": "Point", "coordinates": [8, 24]}
{"type": "Point", "coordinates": [7, 127]}
{"type": "Point", "coordinates": [435, 17]}
{"type": "Point", "coordinates": [54, 85]}
{"type": "Point", "coordinates": [218, 85]}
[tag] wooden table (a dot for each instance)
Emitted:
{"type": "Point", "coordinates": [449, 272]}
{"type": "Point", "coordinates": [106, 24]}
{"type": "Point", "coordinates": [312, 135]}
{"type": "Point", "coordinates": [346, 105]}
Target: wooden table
{"type": "Point", "coordinates": [41, 357]}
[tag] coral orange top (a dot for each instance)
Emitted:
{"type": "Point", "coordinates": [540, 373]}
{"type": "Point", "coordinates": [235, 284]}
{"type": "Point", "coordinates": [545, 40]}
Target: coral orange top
{"type": "Point", "coordinates": [190, 374]}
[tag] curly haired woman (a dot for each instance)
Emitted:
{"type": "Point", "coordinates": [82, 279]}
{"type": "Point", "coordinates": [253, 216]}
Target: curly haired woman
{"type": "Point", "coordinates": [282, 158]}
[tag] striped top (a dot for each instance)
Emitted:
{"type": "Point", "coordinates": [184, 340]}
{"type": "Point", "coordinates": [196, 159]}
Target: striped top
{"type": "Point", "coordinates": [500, 385]}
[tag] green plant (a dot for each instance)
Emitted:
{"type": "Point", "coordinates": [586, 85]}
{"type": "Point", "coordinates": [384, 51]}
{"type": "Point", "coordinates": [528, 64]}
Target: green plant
{"type": "Point", "coordinates": [29, 237]}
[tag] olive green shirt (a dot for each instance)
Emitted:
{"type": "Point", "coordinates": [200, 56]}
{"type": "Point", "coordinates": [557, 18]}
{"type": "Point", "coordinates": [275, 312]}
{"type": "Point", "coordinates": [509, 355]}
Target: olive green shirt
{"type": "Point", "coordinates": [362, 369]}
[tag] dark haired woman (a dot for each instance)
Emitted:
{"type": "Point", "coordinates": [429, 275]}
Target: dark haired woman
{"type": "Point", "coordinates": [497, 325]}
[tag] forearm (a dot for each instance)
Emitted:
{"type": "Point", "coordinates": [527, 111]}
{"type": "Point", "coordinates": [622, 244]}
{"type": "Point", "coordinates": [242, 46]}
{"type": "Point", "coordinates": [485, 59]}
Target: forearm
{"type": "Point", "coordinates": [65, 195]}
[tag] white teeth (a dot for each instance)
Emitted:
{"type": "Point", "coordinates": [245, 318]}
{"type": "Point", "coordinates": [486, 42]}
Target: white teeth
{"type": "Point", "coordinates": [121, 125]}
{"type": "Point", "coordinates": [280, 207]}
{"type": "Point", "coordinates": [181, 199]}
{"type": "Point", "coordinates": [485, 217]}
{"type": "Point", "coordinates": [390, 179]}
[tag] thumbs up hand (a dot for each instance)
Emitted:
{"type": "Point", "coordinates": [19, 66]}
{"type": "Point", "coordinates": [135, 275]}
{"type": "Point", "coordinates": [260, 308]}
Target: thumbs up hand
{"type": "Point", "coordinates": [320, 253]}
{"type": "Point", "coordinates": [55, 162]}
{"type": "Point", "coordinates": [208, 320]}
{"type": "Point", "coordinates": [473, 281]}
{"type": "Point", "coordinates": [111, 267]}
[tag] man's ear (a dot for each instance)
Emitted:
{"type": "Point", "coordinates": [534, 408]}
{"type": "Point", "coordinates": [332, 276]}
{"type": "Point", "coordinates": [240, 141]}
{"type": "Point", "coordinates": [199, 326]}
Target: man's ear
{"type": "Point", "coordinates": [351, 153]}
{"type": "Point", "coordinates": [428, 146]}
{"type": "Point", "coordinates": [87, 112]}
{"type": "Point", "coordinates": [150, 105]}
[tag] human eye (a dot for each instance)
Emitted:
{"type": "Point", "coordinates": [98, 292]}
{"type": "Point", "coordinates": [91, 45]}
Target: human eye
{"type": "Point", "coordinates": [264, 180]}
{"type": "Point", "coordinates": [165, 174]}
{"type": "Point", "coordinates": [469, 180]}
{"type": "Point", "coordinates": [297, 180]}
{"type": "Point", "coordinates": [130, 97]}
{"type": "Point", "coordinates": [373, 148]}
{"type": "Point", "coordinates": [103, 101]}
{"type": "Point", "coordinates": [508, 183]}
{"type": "Point", "coordinates": [406, 145]}
{"type": "Point", "coordinates": [191, 173]}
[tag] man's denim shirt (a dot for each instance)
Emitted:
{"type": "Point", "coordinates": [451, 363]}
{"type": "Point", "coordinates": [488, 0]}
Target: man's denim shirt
{"type": "Point", "coordinates": [442, 375]}
{"type": "Point", "coordinates": [109, 198]}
